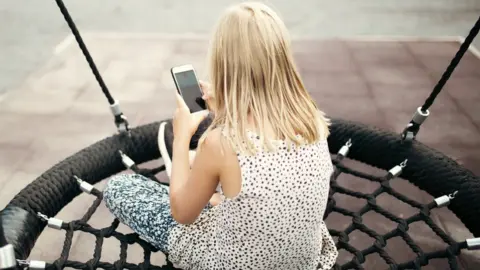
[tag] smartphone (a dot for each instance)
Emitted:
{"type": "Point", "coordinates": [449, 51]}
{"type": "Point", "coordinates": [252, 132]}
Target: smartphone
{"type": "Point", "coordinates": [187, 85]}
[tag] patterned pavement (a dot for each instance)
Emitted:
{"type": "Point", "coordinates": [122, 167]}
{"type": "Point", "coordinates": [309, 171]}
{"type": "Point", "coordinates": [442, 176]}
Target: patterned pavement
{"type": "Point", "coordinates": [59, 109]}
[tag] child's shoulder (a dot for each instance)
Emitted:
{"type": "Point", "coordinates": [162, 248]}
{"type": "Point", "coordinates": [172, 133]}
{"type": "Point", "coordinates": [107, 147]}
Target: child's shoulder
{"type": "Point", "coordinates": [214, 139]}
{"type": "Point", "coordinates": [213, 136]}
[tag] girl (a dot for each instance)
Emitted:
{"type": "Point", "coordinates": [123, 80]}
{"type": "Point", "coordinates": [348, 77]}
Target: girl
{"type": "Point", "coordinates": [265, 147]}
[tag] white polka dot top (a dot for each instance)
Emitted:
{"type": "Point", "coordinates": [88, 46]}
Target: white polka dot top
{"type": "Point", "coordinates": [275, 222]}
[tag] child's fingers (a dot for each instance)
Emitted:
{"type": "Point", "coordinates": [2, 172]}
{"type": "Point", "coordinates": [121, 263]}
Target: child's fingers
{"type": "Point", "coordinates": [180, 102]}
{"type": "Point", "coordinates": [206, 91]}
{"type": "Point", "coordinates": [203, 85]}
{"type": "Point", "coordinates": [216, 199]}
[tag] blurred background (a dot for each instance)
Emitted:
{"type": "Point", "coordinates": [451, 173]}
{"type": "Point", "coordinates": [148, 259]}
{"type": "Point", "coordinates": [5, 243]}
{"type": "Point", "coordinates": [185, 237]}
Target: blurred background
{"type": "Point", "coordinates": [30, 29]}
{"type": "Point", "coordinates": [371, 61]}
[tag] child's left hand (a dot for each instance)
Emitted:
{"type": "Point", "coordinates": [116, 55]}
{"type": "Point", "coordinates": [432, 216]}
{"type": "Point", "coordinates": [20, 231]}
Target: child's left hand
{"type": "Point", "coordinates": [207, 94]}
{"type": "Point", "coordinates": [185, 123]}
{"type": "Point", "coordinates": [216, 199]}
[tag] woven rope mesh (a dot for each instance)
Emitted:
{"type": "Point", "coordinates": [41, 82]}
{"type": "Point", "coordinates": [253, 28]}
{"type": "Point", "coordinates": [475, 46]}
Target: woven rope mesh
{"type": "Point", "coordinates": [355, 223]}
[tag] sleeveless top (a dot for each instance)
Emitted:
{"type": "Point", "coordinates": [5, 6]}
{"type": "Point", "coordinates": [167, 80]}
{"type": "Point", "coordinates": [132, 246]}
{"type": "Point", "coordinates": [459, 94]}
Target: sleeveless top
{"type": "Point", "coordinates": [275, 222]}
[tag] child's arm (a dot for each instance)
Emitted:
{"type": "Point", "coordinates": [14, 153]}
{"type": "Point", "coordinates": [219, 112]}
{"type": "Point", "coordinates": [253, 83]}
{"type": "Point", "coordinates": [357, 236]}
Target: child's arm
{"type": "Point", "coordinates": [191, 189]}
{"type": "Point", "coordinates": [216, 198]}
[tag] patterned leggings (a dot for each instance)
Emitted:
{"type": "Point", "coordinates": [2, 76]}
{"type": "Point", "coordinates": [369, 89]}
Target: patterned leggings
{"type": "Point", "coordinates": [143, 205]}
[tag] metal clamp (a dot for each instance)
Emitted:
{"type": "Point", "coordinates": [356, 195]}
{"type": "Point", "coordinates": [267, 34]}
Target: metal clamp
{"type": "Point", "coordinates": [7, 257]}
{"type": "Point", "coordinates": [420, 116]}
{"type": "Point", "coordinates": [442, 201]}
{"type": "Point", "coordinates": [409, 133]}
{"type": "Point", "coordinates": [32, 265]}
{"type": "Point", "coordinates": [115, 108]}
{"type": "Point", "coordinates": [84, 186]}
{"type": "Point", "coordinates": [397, 170]}
{"type": "Point", "coordinates": [54, 223]}
{"type": "Point", "coordinates": [411, 130]}
{"type": "Point", "coordinates": [126, 160]}
{"type": "Point", "coordinates": [345, 148]}
{"type": "Point", "coordinates": [452, 195]}
{"type": "Point", "coordinates": [445, 200]}
{"type": "Point", "coordinates": [122, 123]}
{"type": "Point", "coordinates": [473, 243]}
{"type": "Point", "coordinates": [120, 120]}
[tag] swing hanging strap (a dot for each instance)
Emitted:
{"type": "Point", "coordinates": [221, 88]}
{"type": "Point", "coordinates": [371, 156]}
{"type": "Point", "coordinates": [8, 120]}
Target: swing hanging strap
{"type": "Point", "coordinates": [422, 112]}
{"type": "Point", "coordinates": [120, 119]}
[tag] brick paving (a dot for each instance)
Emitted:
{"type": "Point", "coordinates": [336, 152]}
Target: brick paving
{"type": "Point", "coordinates": [59, 109]}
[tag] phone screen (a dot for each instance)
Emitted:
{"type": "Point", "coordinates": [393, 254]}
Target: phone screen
{"type": "Point", "coordinates": [187, 84]}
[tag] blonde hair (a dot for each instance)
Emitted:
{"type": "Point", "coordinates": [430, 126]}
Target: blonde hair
{"type": "Point", "coordinates": [252, 72]}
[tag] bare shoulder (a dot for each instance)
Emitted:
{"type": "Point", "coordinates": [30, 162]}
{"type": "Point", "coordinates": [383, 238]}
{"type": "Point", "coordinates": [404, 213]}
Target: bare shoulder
{"type": "Point", "coordinates": [215, 143]}
{"type": "Point", "coordinates": [213, 139]}
{"type": "Point", "coordinates": [208, 159]}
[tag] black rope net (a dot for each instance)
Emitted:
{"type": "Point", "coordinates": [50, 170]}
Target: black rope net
{"type": "Point", "coordinates": [343, 242]}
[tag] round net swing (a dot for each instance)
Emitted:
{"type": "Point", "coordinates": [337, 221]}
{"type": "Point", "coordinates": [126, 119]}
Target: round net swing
{"type": "Point", "coordinates": [394, 155]}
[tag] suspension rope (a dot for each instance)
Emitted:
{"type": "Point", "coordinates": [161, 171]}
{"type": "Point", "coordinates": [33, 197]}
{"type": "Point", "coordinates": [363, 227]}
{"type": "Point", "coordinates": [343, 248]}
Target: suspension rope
{"type": "Point", "coordinates": [120, 120]}
{"type": "Point", "coordinates": [422, 112]}
{"type": "Point", "coordinates": [85, 51]}
{"type": "Point", "coordinates": [451, 67]}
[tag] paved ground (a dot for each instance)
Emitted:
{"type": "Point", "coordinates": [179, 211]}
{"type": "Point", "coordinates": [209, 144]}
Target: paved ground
{"type": "Point", "coordinates": [51, 106]}
{"type": "Point", "coordinates": [29, 29]}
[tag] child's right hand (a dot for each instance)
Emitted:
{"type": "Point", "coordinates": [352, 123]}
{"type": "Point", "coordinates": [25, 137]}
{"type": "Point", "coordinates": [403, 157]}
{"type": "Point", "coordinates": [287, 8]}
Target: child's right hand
{"type": "Point", "coordinates": [207, 94]}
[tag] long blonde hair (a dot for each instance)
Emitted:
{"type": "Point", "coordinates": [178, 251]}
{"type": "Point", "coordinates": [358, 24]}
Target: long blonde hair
{"type": "Point", "coordinates": [252, 72]}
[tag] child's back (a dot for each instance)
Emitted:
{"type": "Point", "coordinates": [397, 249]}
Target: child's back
{"type": "Point", "coordinates": [275, 190]}
{"type": "Point", "coordinates": [275, 222]}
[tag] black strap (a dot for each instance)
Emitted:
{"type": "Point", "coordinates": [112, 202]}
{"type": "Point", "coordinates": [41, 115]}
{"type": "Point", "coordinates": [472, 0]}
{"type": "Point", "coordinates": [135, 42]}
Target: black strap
{"type": "Point", "coordinates": [451, 67]}
{"type": "Point", "coordinates": [85, 51]}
